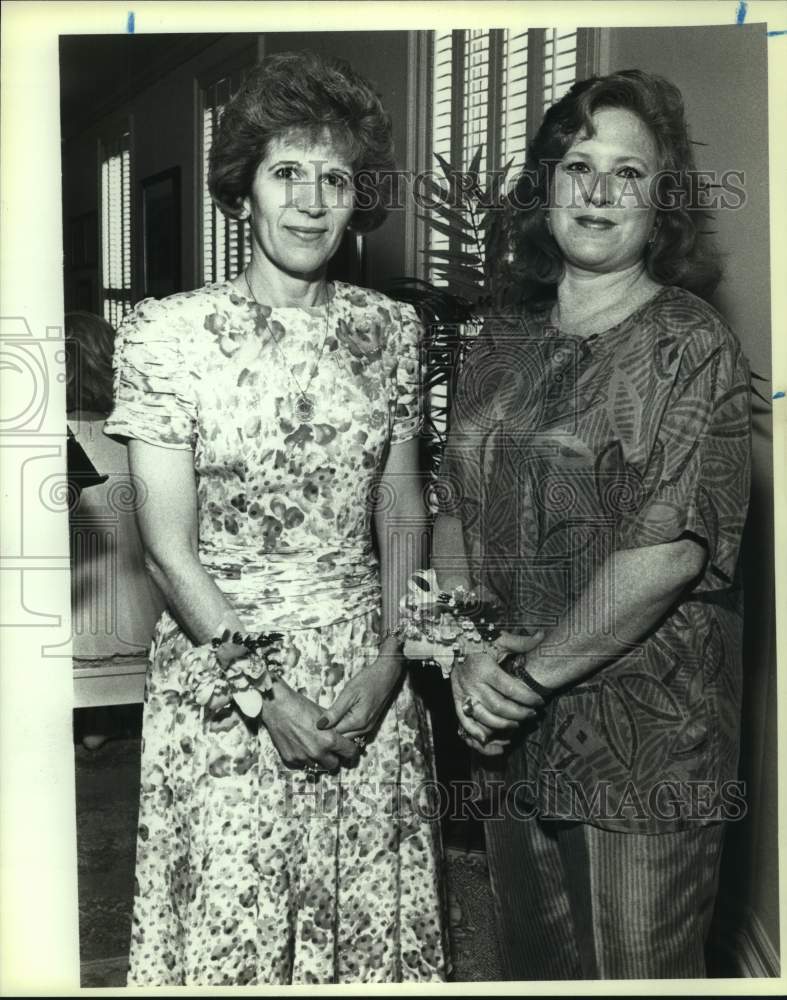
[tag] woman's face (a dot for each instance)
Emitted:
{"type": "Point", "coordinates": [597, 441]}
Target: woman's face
{"type": "Point", "coordinates": [601, 214]}
{"type": "Point", "coordinates": [300, 203]}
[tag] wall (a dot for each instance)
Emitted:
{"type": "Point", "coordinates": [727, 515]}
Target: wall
{"type": "Point", "coordinates": [722, 73]}
{"type": "Point", "coordinates": [164, 135]}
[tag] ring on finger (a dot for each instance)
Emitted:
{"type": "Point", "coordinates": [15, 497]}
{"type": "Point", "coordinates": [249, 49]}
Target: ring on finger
{"type": "Point", "coordinates": [463, 734]}
{"type": "Point", "coordinates": [468, 707]}
{"type": "Point", "coordinates": [359, 741]}
{"type": "Point", "coordinates": [312, 767]}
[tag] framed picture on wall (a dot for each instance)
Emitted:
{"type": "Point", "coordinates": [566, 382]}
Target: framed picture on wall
{"type": "Point", "coordinates": [161, 233]}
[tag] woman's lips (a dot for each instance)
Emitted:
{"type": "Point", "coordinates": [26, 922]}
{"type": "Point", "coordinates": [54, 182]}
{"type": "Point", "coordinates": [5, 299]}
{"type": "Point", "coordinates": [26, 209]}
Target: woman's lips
{"type": "Point", "coordinates": [306, 235]}
{"type": "Point", "coordinates": [591, 222]}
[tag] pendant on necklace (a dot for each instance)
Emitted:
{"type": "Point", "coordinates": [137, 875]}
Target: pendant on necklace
{"type": "Point", "coordinates": [304, 408]}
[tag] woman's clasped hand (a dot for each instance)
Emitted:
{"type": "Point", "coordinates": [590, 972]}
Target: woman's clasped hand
{"type": "Point", "coordinates": [365, 697]}
{"type": "Point", "coordinates": [291, 720]}
{"type": "Point", "coordinates": [490, 702]}
{"type": "Point", "coordinates": [306, 734]}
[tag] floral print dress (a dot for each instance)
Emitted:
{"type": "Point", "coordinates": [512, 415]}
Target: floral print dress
{"type": "Point", "coordinates": [249, 872]}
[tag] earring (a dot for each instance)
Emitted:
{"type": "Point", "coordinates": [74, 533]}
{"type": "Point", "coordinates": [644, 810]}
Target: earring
{"type": "Point", "coordinates": [548, 223]}
{"type": "Point", "coordinates": [653, 234]}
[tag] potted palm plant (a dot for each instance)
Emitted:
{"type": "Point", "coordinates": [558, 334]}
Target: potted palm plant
{"type": "Point", "coordinates": [468, 280]}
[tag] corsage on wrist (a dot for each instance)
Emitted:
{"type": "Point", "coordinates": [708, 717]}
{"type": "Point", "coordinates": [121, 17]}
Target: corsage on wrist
{"type": "Point", "coordinates": [444, 626]}
{"type": "Point", "coordinates": [246, 678]}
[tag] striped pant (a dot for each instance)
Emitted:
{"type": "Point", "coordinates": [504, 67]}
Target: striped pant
{"type": "Point", "coordinates": [577, 902]}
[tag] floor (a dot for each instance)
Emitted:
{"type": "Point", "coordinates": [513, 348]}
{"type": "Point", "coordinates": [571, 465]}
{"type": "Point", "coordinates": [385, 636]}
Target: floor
{"type": "Point", "coordinates": [107, 780]}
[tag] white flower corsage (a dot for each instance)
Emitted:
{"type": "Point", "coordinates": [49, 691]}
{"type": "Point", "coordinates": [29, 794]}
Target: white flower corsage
{"type": "Point", "coordinates": [443, 626]}
{"type": "Point", "coordinates": [246, 680]}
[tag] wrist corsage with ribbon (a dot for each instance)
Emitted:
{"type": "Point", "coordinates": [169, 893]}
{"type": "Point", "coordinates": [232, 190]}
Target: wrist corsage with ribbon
{"type": "Point", "coordinates": [444, 625]}
{"type": "Point", "coordinates": [236, 668]}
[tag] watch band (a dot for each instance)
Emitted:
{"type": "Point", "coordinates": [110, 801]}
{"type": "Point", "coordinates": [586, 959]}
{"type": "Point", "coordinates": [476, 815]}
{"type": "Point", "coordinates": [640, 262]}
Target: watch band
{"type": "Point", "coordinates": [543, 692]}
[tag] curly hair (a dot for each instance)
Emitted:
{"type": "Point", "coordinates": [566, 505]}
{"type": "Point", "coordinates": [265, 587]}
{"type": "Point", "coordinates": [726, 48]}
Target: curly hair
{"type": "Point", "coordinates": [679, 255]}
{"type": "Point", "coordinates": [302, 94]}
{"type": "Point", "coordinates": [89, 343]}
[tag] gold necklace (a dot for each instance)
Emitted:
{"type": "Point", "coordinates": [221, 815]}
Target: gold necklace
{"type": "Point", "coordinates": [304, 402]}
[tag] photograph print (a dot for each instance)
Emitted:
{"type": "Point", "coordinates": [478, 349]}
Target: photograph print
{"type": "Point", "coordinates": [420, 505]}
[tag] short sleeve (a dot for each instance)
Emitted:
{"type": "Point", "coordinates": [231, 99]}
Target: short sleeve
{"type": "Point", "coordinates": [408, 413]}
{"type": "Point", "coordinates": [154, 399]}
{"type": "Point", "coordinates": [702, 459]}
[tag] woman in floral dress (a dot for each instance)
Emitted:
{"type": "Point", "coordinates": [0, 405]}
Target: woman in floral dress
{"type": "Point", "coordinates": [272, 424]}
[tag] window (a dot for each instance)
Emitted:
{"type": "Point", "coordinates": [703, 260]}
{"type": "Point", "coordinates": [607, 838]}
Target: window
{"type": "Point", "coordinates": [226, 243]}
{"type": "Point", "coordinates": [491, 88]}
{"type": "Point", "coordinates": [560, 64]}
{"type": "Point", "coordinates": [116, 227]}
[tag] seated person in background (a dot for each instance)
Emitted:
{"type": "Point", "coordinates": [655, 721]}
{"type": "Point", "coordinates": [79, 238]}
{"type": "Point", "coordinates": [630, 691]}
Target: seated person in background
{"type": "Point", "coordinates": [114, 603]}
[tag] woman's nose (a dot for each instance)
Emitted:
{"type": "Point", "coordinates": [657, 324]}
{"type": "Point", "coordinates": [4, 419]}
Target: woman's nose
{"type": "Point", "coordinates": [308, 197]}
{"type": "Point", "coordinates": [600, 193]}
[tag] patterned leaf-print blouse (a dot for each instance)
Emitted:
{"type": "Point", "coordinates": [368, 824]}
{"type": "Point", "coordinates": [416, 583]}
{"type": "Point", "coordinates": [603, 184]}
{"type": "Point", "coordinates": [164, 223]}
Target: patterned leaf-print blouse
{"type": "Point", "coordinates": [284, 505]}
{"type": "Point", "coordinates": [564, 449]}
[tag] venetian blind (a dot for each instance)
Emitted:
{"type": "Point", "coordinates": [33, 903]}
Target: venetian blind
{"type": "Point", "coordinates": [560, 63]}
{"type": "Point", "coordinates": [226, 243]}
{"type": "Point", "coordinates": [484, 83]}
{"type": "Point", "coordinates": [513, 119]}
{"type": "Point", "coordinates": [443, 112]}
{"type": "Point", "coordinates": [116, 227]}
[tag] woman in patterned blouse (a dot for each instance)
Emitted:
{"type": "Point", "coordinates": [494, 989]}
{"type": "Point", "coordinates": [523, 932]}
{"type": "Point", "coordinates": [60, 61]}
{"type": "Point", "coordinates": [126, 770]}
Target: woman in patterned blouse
{"type": "Point", "coordinates": [596, 482]}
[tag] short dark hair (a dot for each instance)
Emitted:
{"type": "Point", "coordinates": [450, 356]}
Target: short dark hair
{"type": "Point", "coordinates": [302, 93]}
{"type": "Point", "coordinates": [89, 343]}
{"type": "Point", "coordinates": [680, 254]}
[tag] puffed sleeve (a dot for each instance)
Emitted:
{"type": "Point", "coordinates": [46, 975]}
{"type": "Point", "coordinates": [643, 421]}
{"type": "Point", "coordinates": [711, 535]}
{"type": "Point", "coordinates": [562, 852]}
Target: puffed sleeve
{"type": "Point", "coordinates": [408, 414]}
{"type": "Point", "coordinates": [153, 387]}
{"type": "Point", "coordinates": [702, 457]}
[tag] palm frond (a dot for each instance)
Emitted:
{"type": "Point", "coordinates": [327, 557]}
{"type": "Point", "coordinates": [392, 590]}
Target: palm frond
{"type": "Point", "coordinates": [456, 233]}
{"type": "Point", "coordinates": [456, 256]}
{"type": "Point", "coordinates": [472, 220]}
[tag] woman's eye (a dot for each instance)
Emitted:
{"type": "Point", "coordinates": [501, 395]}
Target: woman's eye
{"type": "Point", "coordinates": [286, 173]}
{"type": "Point", "coordinates": [576, 167]}
{"type": "Point", "coordinates": [337, 180]}
{"type": "Point", "coordinates": [629, 173]}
